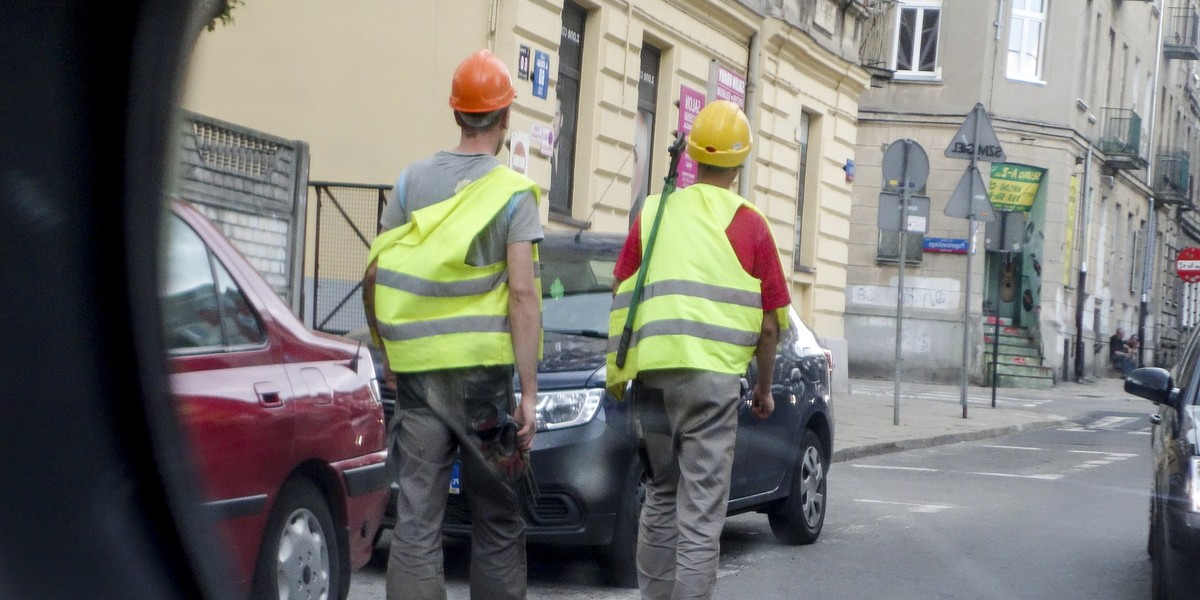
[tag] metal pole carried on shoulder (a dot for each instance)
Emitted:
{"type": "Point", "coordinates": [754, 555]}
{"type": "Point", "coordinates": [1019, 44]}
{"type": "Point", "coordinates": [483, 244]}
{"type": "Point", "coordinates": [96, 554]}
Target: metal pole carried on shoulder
{"type": "Point", "coordinates": [675, 150]}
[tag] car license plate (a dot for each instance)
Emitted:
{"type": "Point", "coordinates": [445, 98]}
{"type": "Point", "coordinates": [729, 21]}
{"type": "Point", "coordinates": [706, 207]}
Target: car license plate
{"type": "Point", "coordinates": [456, 478]}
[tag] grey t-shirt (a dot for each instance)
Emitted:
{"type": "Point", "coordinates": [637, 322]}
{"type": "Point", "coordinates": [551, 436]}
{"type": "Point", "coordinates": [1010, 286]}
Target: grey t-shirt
{"type": "Point", "coordinates": [440, 177]}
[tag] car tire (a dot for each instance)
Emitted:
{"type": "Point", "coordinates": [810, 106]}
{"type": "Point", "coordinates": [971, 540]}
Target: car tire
{"type": "Point", "coordinates": [798, 519]}
{"type": "Point", "coordinates": [618, 559]}
{"type": "Point", "coordinates": [300, 557]}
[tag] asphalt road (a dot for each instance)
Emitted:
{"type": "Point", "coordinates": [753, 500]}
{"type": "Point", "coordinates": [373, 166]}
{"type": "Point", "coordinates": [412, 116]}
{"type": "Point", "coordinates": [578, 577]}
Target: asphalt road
{"type": "Point", "coordinates": [1054, 513]}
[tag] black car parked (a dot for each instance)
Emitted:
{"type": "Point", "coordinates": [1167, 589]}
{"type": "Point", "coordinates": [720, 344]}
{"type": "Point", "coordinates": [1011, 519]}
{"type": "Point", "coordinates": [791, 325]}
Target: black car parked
{"type": "Point", "coordinates": [1174, 540]}
{"type": "Point", "coordinates": [585, 460]}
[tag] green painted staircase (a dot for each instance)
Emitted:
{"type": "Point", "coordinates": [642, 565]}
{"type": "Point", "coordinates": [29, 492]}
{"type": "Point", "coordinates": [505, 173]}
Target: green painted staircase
{"type": "Point", "coordinates": [1020, 363]}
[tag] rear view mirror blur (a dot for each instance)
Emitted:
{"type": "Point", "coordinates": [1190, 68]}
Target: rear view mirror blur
{"type": "Point", "coordinates": [1151, 383]}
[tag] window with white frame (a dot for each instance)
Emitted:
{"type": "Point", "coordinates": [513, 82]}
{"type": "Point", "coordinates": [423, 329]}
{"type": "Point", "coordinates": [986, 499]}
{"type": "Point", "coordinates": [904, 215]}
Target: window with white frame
{"type": "Point", "coordinates": [915, 54]}
{"type": "Point", "coordinates": [1026, 39]}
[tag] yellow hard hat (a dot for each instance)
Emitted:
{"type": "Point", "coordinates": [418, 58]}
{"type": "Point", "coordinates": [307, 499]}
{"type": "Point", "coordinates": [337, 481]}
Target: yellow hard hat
{"type": "Point", "coordinates": [720, 135]}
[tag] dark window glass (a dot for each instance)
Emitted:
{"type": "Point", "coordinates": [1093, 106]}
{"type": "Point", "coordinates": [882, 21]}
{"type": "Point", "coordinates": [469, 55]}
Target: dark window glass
{"type": "Point", "coordinates": [570, 64]}
{"type": "Point", "coordinates": [238, 320]}
{"type": "Point", "coordinates": [929, 38]}
{"type": "Point", "coordinates": [643, 140]}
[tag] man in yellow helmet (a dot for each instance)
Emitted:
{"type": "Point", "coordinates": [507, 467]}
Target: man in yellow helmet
{"type": "Point", "coordinates": [451, 295]}
{"type": "Point", "coordinates": [714, 297]}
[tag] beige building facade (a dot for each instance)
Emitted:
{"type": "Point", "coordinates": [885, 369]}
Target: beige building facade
{"type": "Point", "coordinates": [601, 87]}
{"type": "Point", "coordinates": [1081, 94]}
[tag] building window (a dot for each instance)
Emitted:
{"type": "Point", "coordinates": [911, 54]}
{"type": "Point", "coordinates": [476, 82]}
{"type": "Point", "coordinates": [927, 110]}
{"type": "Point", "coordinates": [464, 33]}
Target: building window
{"type": "Point", "coordinates": [888, 250]}
{"type": "Point", "coordinates": [916, 46]}
{"type": "Point", "coordinates": [566, 116]}
{"type": "Point", "coordinates": [643, 129]}
{"type": "Point", "coordinates": [1026, 39]}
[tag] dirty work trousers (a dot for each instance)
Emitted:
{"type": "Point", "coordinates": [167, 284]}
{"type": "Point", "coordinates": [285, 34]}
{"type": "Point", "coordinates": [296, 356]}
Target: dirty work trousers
{"type": "Point", "coordinates": [431, 422]}
{"type": "Point", "coordinates": [689, 425]}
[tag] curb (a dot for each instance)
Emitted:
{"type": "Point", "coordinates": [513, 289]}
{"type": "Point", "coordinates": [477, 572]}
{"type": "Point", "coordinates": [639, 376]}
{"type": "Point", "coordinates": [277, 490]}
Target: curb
{"type": "Point", "coordinates": [939, 440]}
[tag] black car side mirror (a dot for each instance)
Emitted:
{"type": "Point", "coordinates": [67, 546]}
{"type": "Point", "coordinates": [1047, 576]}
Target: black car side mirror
{"type": "Point", "coordinates": [1152, 383]}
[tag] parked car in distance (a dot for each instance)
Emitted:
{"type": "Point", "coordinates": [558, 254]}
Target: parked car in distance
{"type": "Point", "coordinates": [1174, 537]}
{"type": "Point", "coordinates": [285, 424]}
{"type": "Point", "coordinates": [585, 458]}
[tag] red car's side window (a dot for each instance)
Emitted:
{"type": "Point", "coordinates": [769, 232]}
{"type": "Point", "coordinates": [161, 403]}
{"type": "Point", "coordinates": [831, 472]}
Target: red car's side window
{"type": "Point", "coordinates": [202, 305]}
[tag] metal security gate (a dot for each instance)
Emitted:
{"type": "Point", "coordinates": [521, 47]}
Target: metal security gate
{"type": "Point", "coordinates": [347, 220]}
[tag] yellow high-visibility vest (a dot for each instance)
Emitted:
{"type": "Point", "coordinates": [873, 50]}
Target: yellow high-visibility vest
{"type": "Point", "coordinates": [435, 311]}
{"type": "Point", "coordinates": [700, 309]}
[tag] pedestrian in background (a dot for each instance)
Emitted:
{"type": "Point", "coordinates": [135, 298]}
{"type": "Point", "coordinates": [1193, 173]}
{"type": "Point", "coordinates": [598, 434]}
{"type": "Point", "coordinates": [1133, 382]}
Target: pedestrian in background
{"type": "Point", "coordinates": [714, 297]}
{"type": "Point", "coordinates": [452, 297]}
{"type": "Point", "coordinates": [1118, 353]}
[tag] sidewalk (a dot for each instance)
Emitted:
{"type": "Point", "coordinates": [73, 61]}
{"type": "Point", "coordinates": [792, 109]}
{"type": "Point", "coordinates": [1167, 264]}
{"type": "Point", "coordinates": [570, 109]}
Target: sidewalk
{"type": "Point", "coordinates": [932, 414]}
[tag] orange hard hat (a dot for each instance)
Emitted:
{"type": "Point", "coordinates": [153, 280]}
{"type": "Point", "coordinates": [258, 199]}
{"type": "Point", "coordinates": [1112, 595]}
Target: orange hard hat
{"type": "Point", "coordinates": [481, 84]}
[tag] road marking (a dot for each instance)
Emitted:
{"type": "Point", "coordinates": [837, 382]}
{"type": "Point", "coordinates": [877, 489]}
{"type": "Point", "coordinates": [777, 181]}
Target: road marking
{"type": "Point", "coordinates": [1048, 477]}
{"type": "Point", "coordinates": [916, 508]}
{"type": "Point", "coordinates": [1077, 429]}
{"type": "Point", "coordinates": [1116, 454]}
{"type": "Point", "coordinates": [896, 468]}
{"type": "Point", "coordinates": [1010, 447]}
{"type": "Point", "coordinates": [1051, 477]}
{"type": "Point", "coordinates": [1112, 422]}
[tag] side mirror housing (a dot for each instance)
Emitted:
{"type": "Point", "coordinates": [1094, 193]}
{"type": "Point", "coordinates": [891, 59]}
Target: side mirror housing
{"type": "Point", "coordinates": [1153, 384]}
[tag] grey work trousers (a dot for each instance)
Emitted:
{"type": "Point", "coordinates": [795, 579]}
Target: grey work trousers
{"type": "Point", "coordinates": [432, 422]}
{"type": "Point", "coordinates": [689, 426]}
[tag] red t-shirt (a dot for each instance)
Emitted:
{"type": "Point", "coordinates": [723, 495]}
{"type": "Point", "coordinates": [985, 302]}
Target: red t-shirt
{"type": "Point", "coordinates": [751, 241]}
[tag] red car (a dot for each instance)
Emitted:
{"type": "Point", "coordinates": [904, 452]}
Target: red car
{"type": "Point", "coordinates": [285, 424]}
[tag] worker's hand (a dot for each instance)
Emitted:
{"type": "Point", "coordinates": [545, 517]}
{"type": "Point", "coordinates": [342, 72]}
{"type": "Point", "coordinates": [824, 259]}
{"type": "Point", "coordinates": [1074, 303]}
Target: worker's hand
{"type": "Point", "coordinates": [526, 415]}
{"type": "Point", "coordinates": [389, 376]}
{"type": "Point", "coordinates": [762, 403]}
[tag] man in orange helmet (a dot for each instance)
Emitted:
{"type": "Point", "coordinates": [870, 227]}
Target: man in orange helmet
{"type": "Point", "coordinates": [714, 298]}
{"type": "Point", "coordinates": [452, 297]}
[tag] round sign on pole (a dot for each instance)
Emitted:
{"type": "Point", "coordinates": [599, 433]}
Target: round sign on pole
{"type": "Point", "coordinates": [905, 162]}
{"type": "Point", "coordinates": [1187, 265]}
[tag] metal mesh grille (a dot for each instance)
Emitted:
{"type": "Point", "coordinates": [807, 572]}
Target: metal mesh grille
{"type": "Point", "coordinates": [347, 221]}
{"type": "Point", "coordinates": [235, 152]}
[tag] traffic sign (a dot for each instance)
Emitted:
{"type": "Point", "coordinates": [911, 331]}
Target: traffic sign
{"type": "Point", "coordinates": [889, 218]}
{"type": "Point", "coordinates": [1187, 264]}
{"type": "Point", "coordinates": [976, 139]}
{"type": "Point", "coordinates": [970, 198]}
{"type": "Point", "coordinates": [905, 164]}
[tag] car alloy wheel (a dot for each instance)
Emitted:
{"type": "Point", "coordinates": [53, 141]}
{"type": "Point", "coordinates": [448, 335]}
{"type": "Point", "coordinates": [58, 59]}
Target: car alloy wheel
{"type": "Point", "coordinates": [798, 519]}
{"type": "Point", "coordinates": [300, 556]}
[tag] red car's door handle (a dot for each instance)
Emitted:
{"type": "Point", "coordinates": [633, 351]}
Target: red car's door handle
{"type": "Point", "coordinates": [268, 394]}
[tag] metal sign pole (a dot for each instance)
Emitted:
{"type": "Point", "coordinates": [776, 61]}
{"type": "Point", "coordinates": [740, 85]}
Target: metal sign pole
{"type": "Point", "coordinates": [973, 225]}
{"type": "Point", "coordinates": [903, 259]}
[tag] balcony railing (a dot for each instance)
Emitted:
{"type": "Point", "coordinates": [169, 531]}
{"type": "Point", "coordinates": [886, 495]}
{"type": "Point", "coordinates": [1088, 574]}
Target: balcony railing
{"type": "Point", "coordinates": [1182, 36]}
{"type": "Point", "coordinates": [1172, 178]}
{"type": "Point", "coordinates": [1121, 138]}
{"type": "Point", "coordinates": [874, 48]}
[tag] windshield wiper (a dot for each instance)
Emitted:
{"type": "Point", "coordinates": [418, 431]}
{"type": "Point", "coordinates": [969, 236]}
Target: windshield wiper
{"type": "Point", "coordinates": [591, 333]}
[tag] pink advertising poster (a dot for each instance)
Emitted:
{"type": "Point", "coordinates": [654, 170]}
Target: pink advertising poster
{"type": "Point", "coordinates": [690, 103]}
{"type": "Point", "coordinates": [730, 86]}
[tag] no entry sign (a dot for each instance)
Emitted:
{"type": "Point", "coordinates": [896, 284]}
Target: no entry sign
{"type": "Point", "coordinates": [1187, 265]}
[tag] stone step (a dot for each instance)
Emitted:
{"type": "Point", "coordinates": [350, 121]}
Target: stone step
{"type": "Point", "coordinates": [1014, 354]}
{"type": "Point", "coordinates": [1020, 376]}
{"type": "Point", "coordinates": [1025, 382]}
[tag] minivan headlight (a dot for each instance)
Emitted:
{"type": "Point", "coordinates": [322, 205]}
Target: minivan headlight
{"type": "Point", "coordinates": [569, 408]}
